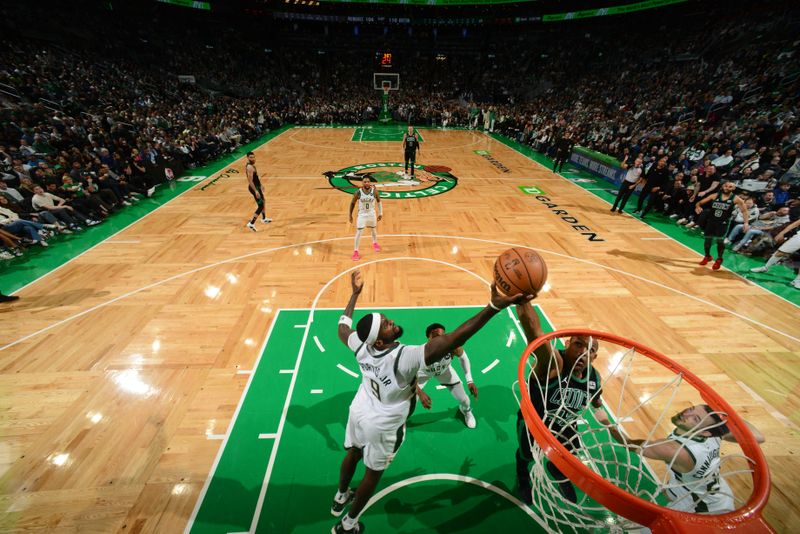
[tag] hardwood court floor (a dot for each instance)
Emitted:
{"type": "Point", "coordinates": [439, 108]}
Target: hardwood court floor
{"type": "Point", "coordinates": [120, 371]}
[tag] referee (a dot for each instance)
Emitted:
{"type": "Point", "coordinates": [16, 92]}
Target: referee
{"type": "Point", "coordinates": [410, 149]}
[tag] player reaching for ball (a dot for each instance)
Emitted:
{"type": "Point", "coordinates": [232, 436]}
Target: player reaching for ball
{"type": "Point", "coordinates": [376, 423]}
{"type": "Point", "coordinates": [562, 385]}
{"type": "Point", "coordinates": [366, 196]}
{"type": "Point", "coordinates": [448, 377]}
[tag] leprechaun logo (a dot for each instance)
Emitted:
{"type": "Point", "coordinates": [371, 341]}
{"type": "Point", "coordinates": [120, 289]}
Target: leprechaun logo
{"type": "Point", "coordinates": [392, 182]}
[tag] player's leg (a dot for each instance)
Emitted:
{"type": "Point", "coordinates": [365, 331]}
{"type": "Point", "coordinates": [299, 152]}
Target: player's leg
{"type": "Point", "coordinates": [706, 250]}
{"type": "Point", "coordinates": [720, 251]}
{"type": "Point", "coordinates": [374, 229]}
{"type": "Point", "coordinates": [259, 207]}
{"type": "Point", "coordinates": [264, 218]}
{"type": "Point", "coordinates": [452, 381]}
{"type": "Point", "coordinates": [366, 489]}
{"type": "Point", "coordinates": [413, 162]}
{"type": "Point", "coordinates": [344, 494]}
{"type": "Point", "coordinates": [381, 446]}
{"type": "Point", "coordinates": [523, 460]}
{"type": "Point", "coordinates": [360, 224]}
{"type": "Point", "coordinates": [407, 158]}
{"type": "Point", "coordinates": [354, 441]}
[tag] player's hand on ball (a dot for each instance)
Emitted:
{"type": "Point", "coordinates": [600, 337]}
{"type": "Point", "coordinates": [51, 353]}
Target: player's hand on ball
{"type": "Point", "coordinates": [473, 389]}
{"type": "Point", "coordinates": [425, 399]}
{"type": "Point", "coordinates": [356, 281]}
{"type": "Point", "coordinates": [501, 301]}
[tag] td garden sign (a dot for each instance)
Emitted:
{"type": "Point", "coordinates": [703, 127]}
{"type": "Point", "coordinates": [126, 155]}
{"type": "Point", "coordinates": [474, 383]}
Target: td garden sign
{"type": "Point", "coordinates": [392, 182]}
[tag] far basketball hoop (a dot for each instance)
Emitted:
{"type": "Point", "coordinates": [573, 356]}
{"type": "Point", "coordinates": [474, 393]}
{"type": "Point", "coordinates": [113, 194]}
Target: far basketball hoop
{"type": "Point", "coordinates": [385, 81]}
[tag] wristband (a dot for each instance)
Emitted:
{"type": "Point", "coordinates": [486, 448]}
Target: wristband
{"type": "Point", "coordinates": [492, 306]}
{"type": "Point", "coordinates": [346, 321]}
{"type": "Point", "coordinates": [468, 376]}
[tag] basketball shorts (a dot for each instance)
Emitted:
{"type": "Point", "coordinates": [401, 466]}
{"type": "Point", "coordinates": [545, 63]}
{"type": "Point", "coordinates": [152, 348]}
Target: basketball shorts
{"type": "Point", "coordinates": [367, 220]}
{"type": "Point", "coordinates": [378, 438]}
{"type": "Point", "coordinates": [715, 228]}
{"type": "Point", "coordinates": [791, 245]}
{"type": "Point", "coordinates": [718, 501]}
{"type": "Point", "coordinates": [448, 378]}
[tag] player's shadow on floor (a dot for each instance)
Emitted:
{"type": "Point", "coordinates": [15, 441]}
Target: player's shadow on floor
{"type": "Point", "coordinates": [494, 407]}
{"type": "Point", "coordinates": [323, 415]}
{"type": "Point", "coordinates": [444, 507]}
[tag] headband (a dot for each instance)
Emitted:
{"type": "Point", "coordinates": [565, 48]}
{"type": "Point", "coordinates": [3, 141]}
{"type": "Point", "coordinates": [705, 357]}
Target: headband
{"type": "Point", "coordinates": [373, 329]}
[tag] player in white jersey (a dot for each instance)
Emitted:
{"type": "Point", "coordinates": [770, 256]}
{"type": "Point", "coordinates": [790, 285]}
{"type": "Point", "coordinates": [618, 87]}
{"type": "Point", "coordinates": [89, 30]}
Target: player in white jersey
{"type": "Point", "coordinates": [385, 398]}
{"type": "Point", "coordinates": [367, 197]}
{"type": "Point", "coordinates": [692, 451]}
{"type": "Point", "coordinates": [448, 377]}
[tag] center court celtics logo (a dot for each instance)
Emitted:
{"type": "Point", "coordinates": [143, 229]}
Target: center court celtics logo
{"type": "Point", "coordinates": [392, 182]}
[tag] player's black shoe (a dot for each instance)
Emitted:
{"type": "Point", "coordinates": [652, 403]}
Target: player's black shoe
{"type": "Point", "coordinates": [338, 507]}
{"type": "Point", "coordinates": [338, 528]}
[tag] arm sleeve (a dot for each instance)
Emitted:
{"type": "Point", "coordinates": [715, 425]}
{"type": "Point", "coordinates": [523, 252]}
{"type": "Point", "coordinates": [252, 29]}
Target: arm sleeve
{"type": "Point", "coordinates": [464, 359]}
{"type": "Point", "coordinates": [353, 342]}
{"type": "Point", "coordinates": [409, 362]}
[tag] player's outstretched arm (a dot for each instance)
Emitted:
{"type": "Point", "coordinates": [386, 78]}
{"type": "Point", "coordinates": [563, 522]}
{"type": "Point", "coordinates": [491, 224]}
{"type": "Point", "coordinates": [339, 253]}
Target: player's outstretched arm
{"type": "Point", "coordinates": [346, 320]}
{"type": "Point", "coordinates": [438, 347]}
{"type": "Point", "coordinates": [532, 326]}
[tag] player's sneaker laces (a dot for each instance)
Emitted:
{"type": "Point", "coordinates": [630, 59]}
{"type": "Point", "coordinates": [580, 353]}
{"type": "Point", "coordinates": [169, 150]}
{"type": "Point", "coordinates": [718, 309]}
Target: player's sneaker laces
{"type": "Point", "coordinates": [338, 507]}
{"type": "Point", "coordinates": [717, 264]}
{"type": "Point", "coordinates": [705, 260]}
{"type": "Point", "coordinates": [338, 528]}
{"type": "Point", "coordinates": [376, 247]}
{"type": "Point", "coordinates": [356, 256]}
{"type": "Point", "coordinates": [252, 226]}
{"type": "Point", "coordinates": [469, 420]}
{"type": "Point", "coordinates": [266, 220]}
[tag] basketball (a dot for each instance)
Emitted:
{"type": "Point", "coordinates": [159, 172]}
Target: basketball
{"type": "Point", "coordinates": [520, 270]}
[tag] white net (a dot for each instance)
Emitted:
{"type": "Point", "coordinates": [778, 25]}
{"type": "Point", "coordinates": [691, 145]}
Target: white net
{"type": "Point", "coordinates": [640, 398]}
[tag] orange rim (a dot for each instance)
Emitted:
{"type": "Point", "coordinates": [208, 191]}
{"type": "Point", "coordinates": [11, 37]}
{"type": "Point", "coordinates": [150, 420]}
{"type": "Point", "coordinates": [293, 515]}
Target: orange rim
{"type": "Point", "coordinates": [658, 518]}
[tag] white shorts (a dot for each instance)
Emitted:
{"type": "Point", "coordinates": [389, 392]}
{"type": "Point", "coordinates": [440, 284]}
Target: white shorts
{"type": "Point", "coordinates": [448, 378]}
{"type": "Point", "coordinates": [791, 245]}
{"type": "Point", "coordinates": [378, 438]}
{"type": "Point", "coordinates": [717, 503]}
{"type": "Point", "coordinates": [366, 220]}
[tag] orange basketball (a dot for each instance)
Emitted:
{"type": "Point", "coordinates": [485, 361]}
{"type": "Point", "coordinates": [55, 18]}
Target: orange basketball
{"type": "Point", "coordinates": [520, 270]}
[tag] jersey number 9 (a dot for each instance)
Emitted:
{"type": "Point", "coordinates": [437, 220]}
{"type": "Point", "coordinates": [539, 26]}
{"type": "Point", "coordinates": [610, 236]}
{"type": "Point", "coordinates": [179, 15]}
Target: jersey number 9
{"type": "Point", "coordinates": [376, 389]}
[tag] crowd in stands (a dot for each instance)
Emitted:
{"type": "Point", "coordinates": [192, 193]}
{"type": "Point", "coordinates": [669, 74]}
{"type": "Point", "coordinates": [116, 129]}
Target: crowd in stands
{"type": "Point", "coordinates": [87, 130]}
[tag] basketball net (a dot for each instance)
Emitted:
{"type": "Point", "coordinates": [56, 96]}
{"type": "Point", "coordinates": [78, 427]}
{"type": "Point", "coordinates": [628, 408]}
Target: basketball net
{"type": "Point", "coordinates": [636, 391]}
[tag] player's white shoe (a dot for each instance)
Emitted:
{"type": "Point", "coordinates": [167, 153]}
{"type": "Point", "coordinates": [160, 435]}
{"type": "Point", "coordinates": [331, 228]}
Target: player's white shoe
{"type": "Point", "coordinates": [469, 419]}
{"type": "Point", "coordinates": [337, 508]}
{"type": "Point", "coordinates": [266, 220]}
{"type": "Point", "coordinates": [251, 226]}
{"type": "Point", "coordinates": [761, 269]}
